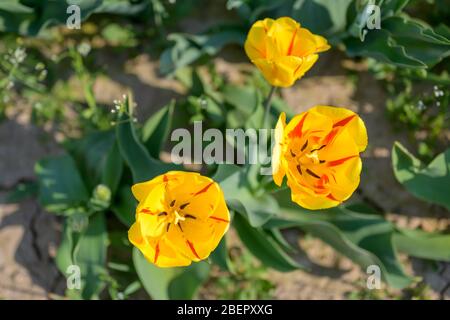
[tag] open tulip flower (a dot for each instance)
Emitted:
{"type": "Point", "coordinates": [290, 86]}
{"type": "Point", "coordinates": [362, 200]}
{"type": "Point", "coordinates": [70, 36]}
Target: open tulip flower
{"type": "Point", "coordinates": [282, 50]}
{"type": "Point", "coordinates": [318, 152]}
{"type": "Point", "coordinates": [181, 217]}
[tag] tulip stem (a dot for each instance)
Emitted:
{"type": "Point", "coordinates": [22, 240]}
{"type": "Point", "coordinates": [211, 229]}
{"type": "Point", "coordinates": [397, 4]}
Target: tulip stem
{"type": "Point", "coordinates": [268, 105]}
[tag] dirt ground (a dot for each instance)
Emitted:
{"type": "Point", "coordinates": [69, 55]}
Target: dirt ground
{"type": "Point", "coordinates": [29, 236]}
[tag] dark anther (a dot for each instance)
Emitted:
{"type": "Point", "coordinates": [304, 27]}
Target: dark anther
{"type": "Point", "coordinates": [168, 226]}
{"type": "Point", "coordinates": [162, 214]}
{"type": "Point", "coordinates": [299, 169]}
{"type": "Point", "coordinates": [184, 205]}
{"type": "Point", "coordinates": [323, 146]}
{"type": "Point", "coordinates": [305, 145]}
{"type": "Point", "coordinates": [312, 174]}
{"type": "Point", "coordinates": [172, 203]}
{"type": "Point", "coordinates": [321, 161]}
{"type": "Point", "coordinates": [190, 216]}
{"type": "Point", "coordinates": [292, 154]}
{"type": "Point", "coordinates": [179, 226]}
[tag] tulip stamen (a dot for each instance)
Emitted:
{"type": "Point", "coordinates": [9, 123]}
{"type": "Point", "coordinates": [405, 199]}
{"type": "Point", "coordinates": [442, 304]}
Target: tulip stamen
{"type": "Point", "coordinates": [312, 174]}
{"type": "Point", "coordinates": [168, 226]}
{"type": "Point", "coordinates": [293, 155]}
{"type": "Point", "coordinates": [162, 214]}
{"type": "Point", "coordinates": [318, 149]}
{"type": "Point", "coordinates": [189, 216]}
{"type": "Point", "coordinates": [184, 205]}
{"type": "Point", "coordinates": [299, 169]}
{"type": "Point", "coordinates": [304, 146]}
{"type": "Point", "coordinates": [172, 203]}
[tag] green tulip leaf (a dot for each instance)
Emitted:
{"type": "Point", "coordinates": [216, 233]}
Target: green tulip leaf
{"type": "Point", "coordinates": [430, 183]}
{"type": "Point", "coordinates": [60, 184]}
{"type": "Point", "coordinates": [156, 129]}
{"type": "Point", "coordinates": [239, 196]}
{"type": "Point", "coordinates": [142, 165]}
{"type": "Point", "coordinates": [263, 247]}
{"type": "Point", "coordinates": [170, 283]}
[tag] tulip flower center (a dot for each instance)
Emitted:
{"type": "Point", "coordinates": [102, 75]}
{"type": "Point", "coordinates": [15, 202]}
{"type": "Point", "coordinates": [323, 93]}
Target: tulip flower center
{"type": "Point", "coordinates": [305, 154]}
{"type": "Point", "coordinates": [173, 215]}
{"type": "Point", "coordinates": [313, 156]}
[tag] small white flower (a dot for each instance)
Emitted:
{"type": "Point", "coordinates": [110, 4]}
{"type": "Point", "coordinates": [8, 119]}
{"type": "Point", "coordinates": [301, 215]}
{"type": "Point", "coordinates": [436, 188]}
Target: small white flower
{"type": "Point", "coordinates": [84, 49]}
{"type": "Point", "coordinates": [19, 55]}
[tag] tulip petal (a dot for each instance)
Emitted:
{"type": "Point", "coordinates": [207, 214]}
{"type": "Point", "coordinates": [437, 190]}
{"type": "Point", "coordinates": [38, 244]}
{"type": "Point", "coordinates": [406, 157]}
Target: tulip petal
{"type": "Point", "coordinates": [307, 63]}
{"type": "Point", "coordinates": [282, 50]}
{"type": "Point", "coordinates": [150, 206]}
{"type": "Point", "coordinates": [254, 46]}
{"type": "Point", "coordinates": [173, 219]}
{"type": "Point", "coordinates": [277, 169]}
{"type": "Point", "coordinates": [285, 70]}
{"type": "Point", "coordinates": [305, 43]}
{"type": "Point", "coordinates": [347, 179]}
{"type": "Point", "coordinates": [356, 127]}
{"type": "Point", "coordinates": [321, 44]}
{"type": "Point", "coordinates": [284, 31]}
{"type": "Point", "coordinates": [321, 158]}
{"type": "Point", "coordinates": [314, 203]}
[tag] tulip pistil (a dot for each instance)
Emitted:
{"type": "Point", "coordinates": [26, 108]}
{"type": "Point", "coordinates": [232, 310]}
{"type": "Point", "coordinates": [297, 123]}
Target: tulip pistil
{"type": "Point", "coordinates": [178, 217]}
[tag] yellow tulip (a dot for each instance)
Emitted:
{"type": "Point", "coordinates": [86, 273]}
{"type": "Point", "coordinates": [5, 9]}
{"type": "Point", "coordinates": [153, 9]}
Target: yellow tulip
{"type": "Point", "coordinates": [181, 217]}
{"type": "Point", "coordinates": [318, 152]}
{"type": "Point", "coordinates": [282, 50]}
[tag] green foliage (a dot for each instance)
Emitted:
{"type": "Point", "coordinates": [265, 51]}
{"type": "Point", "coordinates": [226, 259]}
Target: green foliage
{"type": "Point", "coordinates": [85, 248]}
{"type": "Point", "coordinates": [241, 198]}
{"type": "Point", "coordinates": [61, 186]}
{"type": "Point", "coordinates": [170, 283]}
{"type": "Point", "coordinates": [429, 183]}
{"type": "Point", "coordinates": [99, 159]}
{"type": "Point", "coordinates": [105, 163]}
{"type": "Point", "coordinates": [125, 206]}
{"type": "Point", "coordinates": [224, 105]}
{"type": "Point", "coordinates": [31, 16]}
{"type": "Point", "coordinates": [220, 256]}
{"type": "Point", "coordinates": [363, 238]}
{"type": "Point", "coordinates": [422, 244]}
{"type": "Point", "coordinates": [262, 246]}
{"type": "Point", "coordinates": [418, 102]}
{"type": "Point", "coordinates": [187, 48]}
{"type": "Point", "coordinates": [425, 112]}
{"type": "Point", "coordinates": [418, 290]}
{"type": "Point", "coordinates": [401, 41]}
{"type": "Point", "coordinates": [156, 129]}
{"type": "Point", "coordinates": [142, 165]}
{"type": "Point", "coordinates": [21, 72]}
{"type": "Point", "coordinates": [90, 184]}
{"type": "Point", "coordinates": [249, 280]}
